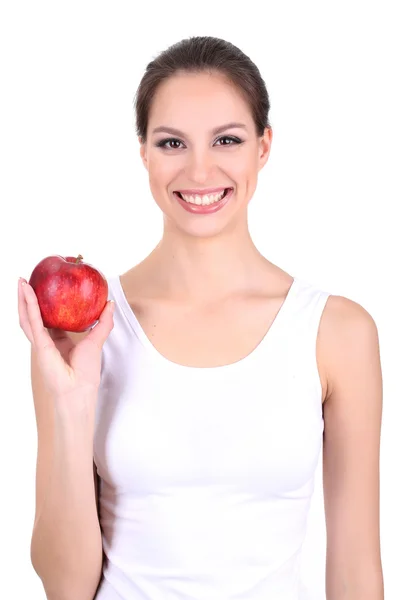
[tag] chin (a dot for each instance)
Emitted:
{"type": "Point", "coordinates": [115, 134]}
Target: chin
{"type": "Point", "coordinates": [211, 227]}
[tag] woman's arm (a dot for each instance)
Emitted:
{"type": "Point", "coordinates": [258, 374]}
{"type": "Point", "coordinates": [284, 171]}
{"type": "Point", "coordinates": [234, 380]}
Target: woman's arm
{"type": "Point", "coordinates": [352, 414]}
{"type": "Point", "coordinates": [66, 546]}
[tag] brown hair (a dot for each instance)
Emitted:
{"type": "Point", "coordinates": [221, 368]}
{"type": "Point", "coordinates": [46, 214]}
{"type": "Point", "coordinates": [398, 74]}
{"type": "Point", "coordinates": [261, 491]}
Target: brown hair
{"type": "Point", "coordinates": [204, 54]}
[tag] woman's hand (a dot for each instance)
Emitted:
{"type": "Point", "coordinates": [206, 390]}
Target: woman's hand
{"type": "Point", "coordinates": [68, 368]}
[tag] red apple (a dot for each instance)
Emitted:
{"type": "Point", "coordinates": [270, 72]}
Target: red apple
{"type": "Point", "coordinates": [71, 294]}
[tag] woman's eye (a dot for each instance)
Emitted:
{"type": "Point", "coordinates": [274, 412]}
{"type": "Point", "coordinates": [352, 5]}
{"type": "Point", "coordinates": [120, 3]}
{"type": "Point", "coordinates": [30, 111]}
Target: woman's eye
{"type": "Point", "coordinates": [230, 139]}
{"type": "Point", "coordinates": [163, 144]}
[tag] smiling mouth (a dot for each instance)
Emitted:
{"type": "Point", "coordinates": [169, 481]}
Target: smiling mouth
{"type": "Point", "coordinates": [204, 199]}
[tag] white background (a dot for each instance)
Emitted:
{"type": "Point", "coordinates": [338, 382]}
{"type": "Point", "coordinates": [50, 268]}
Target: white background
{"type": "Point", "coordinates": [332, 205]}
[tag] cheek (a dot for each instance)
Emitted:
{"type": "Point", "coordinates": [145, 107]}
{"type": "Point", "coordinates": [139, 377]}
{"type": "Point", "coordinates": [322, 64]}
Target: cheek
{"type": "Point", "coordinates": [244, 166]}
{"type": "Point", "coordinates": [158, 172]}
{"type": "Point", "coordinates": [163, 169]}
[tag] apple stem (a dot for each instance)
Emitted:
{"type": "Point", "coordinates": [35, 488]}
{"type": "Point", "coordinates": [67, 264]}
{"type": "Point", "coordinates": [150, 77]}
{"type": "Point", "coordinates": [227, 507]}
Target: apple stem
{"type": "Point", "coordinates": [79, 258]}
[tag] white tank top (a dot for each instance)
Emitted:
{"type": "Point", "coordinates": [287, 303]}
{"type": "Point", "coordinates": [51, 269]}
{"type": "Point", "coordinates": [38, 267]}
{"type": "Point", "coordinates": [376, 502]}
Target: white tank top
{"type": "Point", "coordinates": [206, 474]}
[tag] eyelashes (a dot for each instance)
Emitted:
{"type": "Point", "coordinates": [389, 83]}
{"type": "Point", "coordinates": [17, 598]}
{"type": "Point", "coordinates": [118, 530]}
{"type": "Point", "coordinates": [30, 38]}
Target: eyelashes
{"type": "Point", "coordinates": [163, 143]}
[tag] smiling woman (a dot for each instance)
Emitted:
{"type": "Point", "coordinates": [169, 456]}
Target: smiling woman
{"type": "Point", "coordinates": [221, 378]}
{"type": "Point", "coordinates": [223, 144]}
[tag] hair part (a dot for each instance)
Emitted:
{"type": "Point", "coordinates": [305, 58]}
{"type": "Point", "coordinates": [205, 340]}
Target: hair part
{"type": "Point", "coordinates": [204, 54]}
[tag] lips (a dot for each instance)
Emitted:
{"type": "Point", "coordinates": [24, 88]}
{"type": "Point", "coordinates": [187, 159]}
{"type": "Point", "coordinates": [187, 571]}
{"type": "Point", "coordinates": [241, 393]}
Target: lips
{"type": "Point", "coordinates": [205, 209]}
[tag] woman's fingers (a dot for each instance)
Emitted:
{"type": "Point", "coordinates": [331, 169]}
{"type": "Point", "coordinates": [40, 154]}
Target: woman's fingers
{"type": "Point", "coordinates": [22, 307]}
{"type": "Point", "coordinates": [51, 362]}
{"type": "Point", "coordinates": [100, 332]}
{"type": "Point", "coordinates": [40, 338]}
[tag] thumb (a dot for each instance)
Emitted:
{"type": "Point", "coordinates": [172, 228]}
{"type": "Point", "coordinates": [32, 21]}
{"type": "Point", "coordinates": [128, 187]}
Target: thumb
{"type": "Point", "coordinates": [100, 332]}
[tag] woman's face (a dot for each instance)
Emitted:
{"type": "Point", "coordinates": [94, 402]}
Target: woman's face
{"type": "Point", "coordinates": [201, 138]}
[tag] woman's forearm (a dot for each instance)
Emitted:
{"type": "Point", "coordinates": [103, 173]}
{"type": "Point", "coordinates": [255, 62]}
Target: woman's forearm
{"type": "Point", "coordinates": [66, 548]}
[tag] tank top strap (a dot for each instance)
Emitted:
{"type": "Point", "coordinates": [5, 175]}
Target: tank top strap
{"type": "Point", "coordinates": [300, 313]}
{"type": "Point", "coordinates": [308, 307]}
{"type": "Point", "coordinates": [301, 335]}
{"type": "Point", "coordinates": [111, 283]}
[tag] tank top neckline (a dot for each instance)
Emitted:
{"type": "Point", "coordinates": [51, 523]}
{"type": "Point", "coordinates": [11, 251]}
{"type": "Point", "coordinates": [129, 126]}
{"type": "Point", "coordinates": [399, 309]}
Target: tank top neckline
{"type": "Point", "coordinates": [281, 315]}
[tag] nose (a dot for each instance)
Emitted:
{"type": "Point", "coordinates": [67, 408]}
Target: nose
{"type": "Point", "coordinates": [199, 166]}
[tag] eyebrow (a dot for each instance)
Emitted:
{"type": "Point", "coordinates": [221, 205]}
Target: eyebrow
{"type": "Point", "coordinates": [172, 130]}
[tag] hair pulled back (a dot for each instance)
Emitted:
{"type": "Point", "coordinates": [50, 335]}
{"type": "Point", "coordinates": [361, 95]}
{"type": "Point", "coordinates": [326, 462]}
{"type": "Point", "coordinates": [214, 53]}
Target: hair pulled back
{"type": "Point", "coordinates": [197, 55]}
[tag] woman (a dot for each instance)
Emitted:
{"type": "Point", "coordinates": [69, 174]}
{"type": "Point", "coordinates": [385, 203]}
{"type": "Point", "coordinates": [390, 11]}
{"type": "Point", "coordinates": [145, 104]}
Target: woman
{"type": "Point", "coordinates": [200, 404]}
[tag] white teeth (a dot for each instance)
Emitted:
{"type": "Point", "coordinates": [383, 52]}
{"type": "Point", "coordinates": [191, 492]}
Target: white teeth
{"type": "Point", "coordinates": [203, 200]}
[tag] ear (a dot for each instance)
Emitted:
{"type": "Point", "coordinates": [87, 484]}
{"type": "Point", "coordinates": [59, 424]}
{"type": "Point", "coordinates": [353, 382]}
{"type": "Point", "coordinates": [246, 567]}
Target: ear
{"type": "Point", "coordinates": [143, 153]}
{"type": "Point", "coordinates": [265, 143]}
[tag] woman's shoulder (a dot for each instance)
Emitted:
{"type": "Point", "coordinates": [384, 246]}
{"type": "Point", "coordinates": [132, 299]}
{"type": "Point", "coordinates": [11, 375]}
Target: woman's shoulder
{"type": "Point", "coordinates": [345, 327]}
